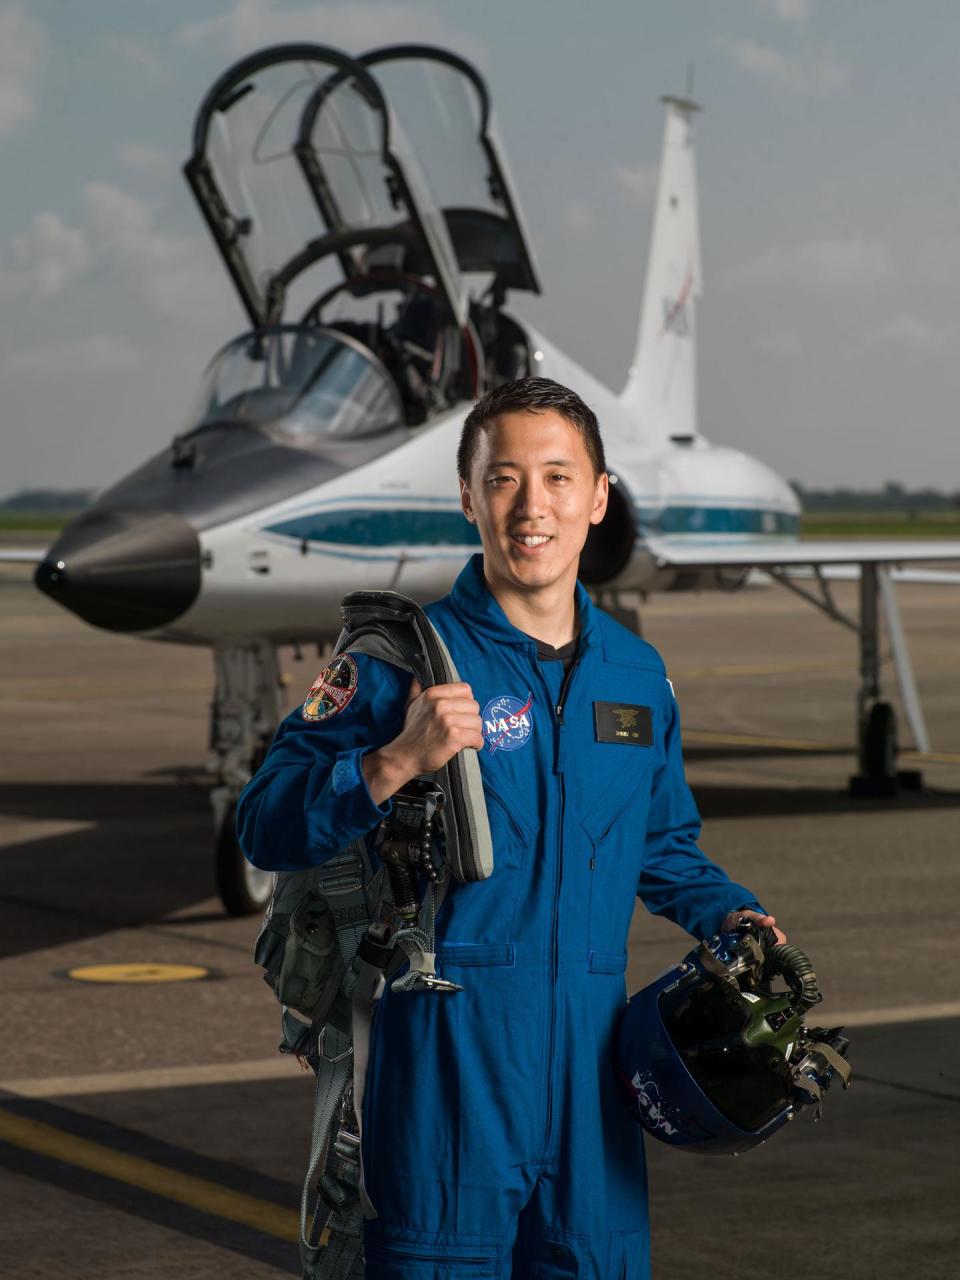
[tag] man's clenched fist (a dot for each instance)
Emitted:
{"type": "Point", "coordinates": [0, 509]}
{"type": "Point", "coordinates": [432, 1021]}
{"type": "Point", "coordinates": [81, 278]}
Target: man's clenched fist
{"type": "Point", "coordinates": [439, 722]}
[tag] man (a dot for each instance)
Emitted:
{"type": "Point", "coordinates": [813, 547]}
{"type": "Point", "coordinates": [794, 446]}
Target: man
{"type": "Point", "coordinates": [495, 1143]}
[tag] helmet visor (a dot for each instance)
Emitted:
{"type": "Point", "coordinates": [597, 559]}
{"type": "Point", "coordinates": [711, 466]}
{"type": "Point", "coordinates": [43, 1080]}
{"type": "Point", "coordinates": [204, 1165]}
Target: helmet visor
{"type": "Point", "coordinates": [705, 1020]}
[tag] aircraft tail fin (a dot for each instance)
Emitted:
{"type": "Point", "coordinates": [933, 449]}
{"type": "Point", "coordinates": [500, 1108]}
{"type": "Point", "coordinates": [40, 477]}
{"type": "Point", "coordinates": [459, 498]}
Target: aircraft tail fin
{"type": "Point", "coordinates": [661, 388]}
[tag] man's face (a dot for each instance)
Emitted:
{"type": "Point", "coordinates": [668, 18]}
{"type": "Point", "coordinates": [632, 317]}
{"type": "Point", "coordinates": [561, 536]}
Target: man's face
{"type": "Point", "coordinates": [533, 494]}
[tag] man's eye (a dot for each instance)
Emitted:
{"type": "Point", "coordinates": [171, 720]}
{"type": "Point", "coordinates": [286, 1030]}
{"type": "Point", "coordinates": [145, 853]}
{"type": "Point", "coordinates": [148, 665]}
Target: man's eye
{"type": "Point", "coordinates": [559, 476]}
{"type": "Point", "coordinates": [500, 481]}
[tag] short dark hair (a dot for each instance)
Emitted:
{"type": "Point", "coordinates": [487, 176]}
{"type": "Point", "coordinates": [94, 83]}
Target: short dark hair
{"type": "Point", "coordinates": [530, 395]}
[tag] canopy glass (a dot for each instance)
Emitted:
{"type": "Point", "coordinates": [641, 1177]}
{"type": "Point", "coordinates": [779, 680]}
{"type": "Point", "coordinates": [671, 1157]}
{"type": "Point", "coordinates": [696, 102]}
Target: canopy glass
{"type": "Point", "coordinates": [442, 103]}
{"type": "Point", "coordinates": [305, 385]}
{"type": "Point", "coordinates": [296, 161]}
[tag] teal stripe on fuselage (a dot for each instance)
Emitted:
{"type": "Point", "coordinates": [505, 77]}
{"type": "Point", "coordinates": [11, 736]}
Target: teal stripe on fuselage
{"type": "Point", "coordinates": [409, 527]}
{"type": "Point", "coordinates": [672, 520]}
{"type": "Point", "coordinates": [364, 527]}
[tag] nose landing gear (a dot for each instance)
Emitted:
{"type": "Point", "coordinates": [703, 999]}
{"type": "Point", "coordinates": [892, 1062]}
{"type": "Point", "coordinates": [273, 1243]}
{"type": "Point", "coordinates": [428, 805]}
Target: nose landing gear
{"type": "Point", "coordinates": [244, 715]}
{"type": "Point", "coordinates": [244, 889]}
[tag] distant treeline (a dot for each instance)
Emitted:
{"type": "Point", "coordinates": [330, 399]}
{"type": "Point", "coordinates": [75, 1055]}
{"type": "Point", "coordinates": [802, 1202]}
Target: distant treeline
{"type": "Point", "coordinates": [34, 500]}
{"type": "Point", "coordinates": [892, 497]}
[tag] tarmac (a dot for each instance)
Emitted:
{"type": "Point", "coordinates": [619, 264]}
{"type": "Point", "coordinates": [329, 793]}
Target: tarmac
{"type": "Point", "coordinates": [149, 1128]}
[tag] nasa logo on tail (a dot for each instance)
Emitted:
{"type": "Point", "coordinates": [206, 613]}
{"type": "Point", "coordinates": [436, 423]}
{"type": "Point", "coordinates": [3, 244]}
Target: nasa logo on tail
{"type": "Point", "coordinates": [675, 318]}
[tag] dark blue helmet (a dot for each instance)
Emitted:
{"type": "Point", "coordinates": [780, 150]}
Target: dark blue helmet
{"type": "Point", "coordinates": [710, 1058]}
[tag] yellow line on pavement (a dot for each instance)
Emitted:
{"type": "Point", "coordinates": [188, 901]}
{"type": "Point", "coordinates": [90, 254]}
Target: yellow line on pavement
{"type": "Point", "coordinates": [931, 757]}
{"type": "Point", "coordinates": [171, 1184]}
{"type": "Point", "coordinates": [888, 1017]}
{"type": "Point", "coordinates": [43, 688]}
{"type": "Point", "coordinates": [707, 738]}
{"type": "Point", "coordinates": [280, 1067]}
{"type": "Point", "coordinates": [929, 663]}
{"type": "Point", "coordinates": [752, 669]}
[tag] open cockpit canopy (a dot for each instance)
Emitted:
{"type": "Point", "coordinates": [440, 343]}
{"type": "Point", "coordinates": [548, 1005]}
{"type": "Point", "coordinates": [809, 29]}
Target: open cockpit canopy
{"type": "Point", "coordinates": [307, 162]}
{"type": "Point", "coordinates": [443, 105]}
{"type": "Point", "coordinates": [296, 162]}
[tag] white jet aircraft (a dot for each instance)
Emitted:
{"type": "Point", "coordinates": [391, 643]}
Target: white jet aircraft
{"type": "Point", "coordinates": [365, 214]}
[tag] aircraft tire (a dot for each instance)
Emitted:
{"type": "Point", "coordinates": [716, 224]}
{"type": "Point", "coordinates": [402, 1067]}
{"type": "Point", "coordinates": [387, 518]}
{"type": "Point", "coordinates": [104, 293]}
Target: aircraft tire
{"type": "Point", "coordinates": [880, 743]}
{"type": "Point", "coordinates": [244, 889]}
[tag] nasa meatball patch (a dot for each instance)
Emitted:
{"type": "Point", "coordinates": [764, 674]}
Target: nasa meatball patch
{"type": "Point", "coordinates": [332, 689]}
{"type": "Point", "coordinates": [507, 722]}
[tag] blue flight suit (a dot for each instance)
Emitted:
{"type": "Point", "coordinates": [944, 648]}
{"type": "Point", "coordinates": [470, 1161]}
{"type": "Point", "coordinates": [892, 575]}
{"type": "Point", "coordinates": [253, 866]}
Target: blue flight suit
{"type": "Point", "coordinates": [494, 1139]}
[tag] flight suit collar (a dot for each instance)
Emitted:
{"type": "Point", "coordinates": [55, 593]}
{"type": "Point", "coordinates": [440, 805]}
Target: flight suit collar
{"type": "Point", "coordinates": [479, 611]}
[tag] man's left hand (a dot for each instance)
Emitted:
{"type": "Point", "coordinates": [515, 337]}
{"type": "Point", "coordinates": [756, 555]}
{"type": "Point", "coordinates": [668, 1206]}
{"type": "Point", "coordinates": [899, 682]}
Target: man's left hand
{"type": "Point", "coordinates": [730, 922]}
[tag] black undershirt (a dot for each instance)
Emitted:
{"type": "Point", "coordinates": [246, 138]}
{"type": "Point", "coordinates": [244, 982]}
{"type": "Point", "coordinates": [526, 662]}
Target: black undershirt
{"type": "Point", "coordinates": [567, 653]}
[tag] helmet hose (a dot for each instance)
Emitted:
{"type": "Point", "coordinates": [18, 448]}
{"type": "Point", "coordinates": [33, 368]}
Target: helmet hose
{"type": "Point", "coordinates": [794, 966]}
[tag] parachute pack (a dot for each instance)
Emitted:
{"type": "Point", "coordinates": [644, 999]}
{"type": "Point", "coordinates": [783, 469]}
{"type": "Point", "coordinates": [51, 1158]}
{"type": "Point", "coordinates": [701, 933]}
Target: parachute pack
{"type": "Point", "coordinates": [335, 933]}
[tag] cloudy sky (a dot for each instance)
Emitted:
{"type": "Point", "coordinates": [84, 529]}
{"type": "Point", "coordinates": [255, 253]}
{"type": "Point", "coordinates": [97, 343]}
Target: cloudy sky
{"type": "Point", "coordinates": [830, 205]}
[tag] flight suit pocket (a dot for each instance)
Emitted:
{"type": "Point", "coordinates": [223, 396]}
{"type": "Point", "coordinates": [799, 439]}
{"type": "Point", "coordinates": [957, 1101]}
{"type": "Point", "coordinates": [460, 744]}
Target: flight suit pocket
{"type": "Point", "coordinates": [630, 1253]}
{"type": "Point", "coordinates": [607, 962]}
{"type": "Point", "coordinates": [408, 1255]}
{"type": "Point", "coordinates": [557, 1260]}
{"type": "Point", "coordinates": [614, 799]}
{"type": "Point", "coordinates": [476, 914]}
{"type": "Point", "coordinates": [615, 827]}
{"type": "Point", "coordinates": [511, 829]}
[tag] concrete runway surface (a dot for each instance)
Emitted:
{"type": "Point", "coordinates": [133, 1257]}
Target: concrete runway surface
{"type": "Point", "coordinates": [149, 1129]}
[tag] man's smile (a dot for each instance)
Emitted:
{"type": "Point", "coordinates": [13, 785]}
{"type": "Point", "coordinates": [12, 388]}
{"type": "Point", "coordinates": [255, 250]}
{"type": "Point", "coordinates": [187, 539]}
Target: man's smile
{"type": "Point", "coordinates": [531, 540]}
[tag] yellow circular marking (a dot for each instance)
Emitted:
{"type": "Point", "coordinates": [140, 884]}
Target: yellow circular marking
{"type": "Point", "coordinates": [137, 973]}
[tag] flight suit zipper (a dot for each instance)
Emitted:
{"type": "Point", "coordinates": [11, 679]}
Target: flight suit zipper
{"type": "Point", "coordinates": [559, 769]}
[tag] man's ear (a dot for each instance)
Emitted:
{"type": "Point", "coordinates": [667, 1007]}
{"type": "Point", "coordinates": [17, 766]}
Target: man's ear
{"type": "Point", "coordinates": [465, 503]}
{"type": "Point", "coordinates": [600, 498]}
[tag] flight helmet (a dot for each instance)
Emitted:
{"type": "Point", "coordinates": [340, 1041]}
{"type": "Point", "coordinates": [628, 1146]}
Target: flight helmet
{"type": "Point", "coordinates": [711, 1057]}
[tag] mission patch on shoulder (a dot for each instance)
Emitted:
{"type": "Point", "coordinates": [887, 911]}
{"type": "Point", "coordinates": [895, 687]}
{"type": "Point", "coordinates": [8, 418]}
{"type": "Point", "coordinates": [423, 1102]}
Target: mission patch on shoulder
{"type": "Point", "coordinates": [332, 689]}
{"type": "Point", "coordinates": [623, 722]}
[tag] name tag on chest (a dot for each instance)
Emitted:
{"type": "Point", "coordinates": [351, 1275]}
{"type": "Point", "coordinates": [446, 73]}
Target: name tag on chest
{"type": "Point", "coordinates": [623, 722]}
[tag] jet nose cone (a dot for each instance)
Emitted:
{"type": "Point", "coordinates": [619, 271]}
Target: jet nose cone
{"type": "Point", "coordinates": [124, 570]}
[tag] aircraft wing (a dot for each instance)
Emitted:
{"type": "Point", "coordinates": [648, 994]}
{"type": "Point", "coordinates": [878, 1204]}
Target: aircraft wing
{"type": "Point", "coordinates": [769, 552]}
{"type": "Point", "coordinates": [22, 555]}
{"type": "Point", "coordinates": [851, 573]}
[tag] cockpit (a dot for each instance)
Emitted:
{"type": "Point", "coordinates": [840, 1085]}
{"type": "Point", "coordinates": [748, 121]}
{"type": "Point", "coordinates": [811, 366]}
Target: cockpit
{"type": "Point", "coordinates": [364, 213]}
{"type": "Point", "coordinates": [303, 386]}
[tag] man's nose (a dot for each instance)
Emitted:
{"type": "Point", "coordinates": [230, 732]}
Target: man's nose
{"type": "Point", "coordinates": [531, 498]}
